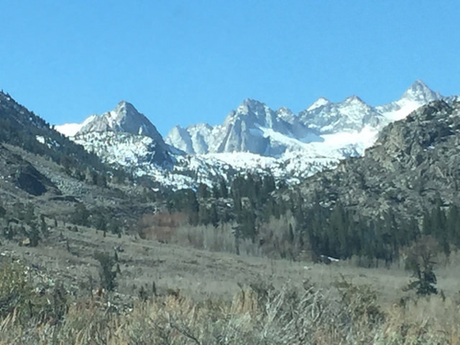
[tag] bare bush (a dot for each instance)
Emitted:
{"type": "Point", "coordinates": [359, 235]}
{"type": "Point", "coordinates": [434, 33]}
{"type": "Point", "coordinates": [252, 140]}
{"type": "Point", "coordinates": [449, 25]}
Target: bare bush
{"type": "Point", "coordinates": [160, 226]}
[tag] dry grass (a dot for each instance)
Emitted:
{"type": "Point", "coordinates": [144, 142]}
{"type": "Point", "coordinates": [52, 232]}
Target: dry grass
{"type": "Point", "coordinates": [258, 314]}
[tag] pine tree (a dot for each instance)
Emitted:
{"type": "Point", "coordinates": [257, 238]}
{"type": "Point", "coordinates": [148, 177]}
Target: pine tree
{"type": "Point", "coordinates": [106, 271]}
{"type": "Point", "coordinates": [453, 225]}
{"type": "Point", "coordinates": [34, 236]}
{"type": "Point", "coordinates": [420, 262]}
{"type": "Point", "coordinates": [214, 216]}
{"type": "Point", "coordinates": [80, 215]}
{"type": "Point", "coordinates": [223, 189]}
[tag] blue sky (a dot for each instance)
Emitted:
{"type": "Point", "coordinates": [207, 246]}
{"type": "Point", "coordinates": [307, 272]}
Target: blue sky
{"type": "Point", "coordinates": [190, 61]}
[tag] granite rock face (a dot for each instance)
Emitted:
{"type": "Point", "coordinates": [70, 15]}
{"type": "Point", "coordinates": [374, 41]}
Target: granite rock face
{"type": "Point", "coordinates": [414, 164]}
{"type": "Point", "coordinates": [123, 136]}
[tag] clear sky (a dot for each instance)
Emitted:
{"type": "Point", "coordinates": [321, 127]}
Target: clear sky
{"type": "Point", "coordinates": [189, 61]}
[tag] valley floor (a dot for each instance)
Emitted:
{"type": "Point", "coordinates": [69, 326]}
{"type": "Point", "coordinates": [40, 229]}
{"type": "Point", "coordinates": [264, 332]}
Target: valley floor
{"type": "Point", "coordinates": [184, 292]}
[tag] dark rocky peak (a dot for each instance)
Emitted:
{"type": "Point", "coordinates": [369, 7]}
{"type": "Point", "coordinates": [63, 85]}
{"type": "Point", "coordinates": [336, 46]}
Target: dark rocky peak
{"type": "Point", "coordinates": [13, 111]}
{"type": "Point", "coordinates": [436, 111]}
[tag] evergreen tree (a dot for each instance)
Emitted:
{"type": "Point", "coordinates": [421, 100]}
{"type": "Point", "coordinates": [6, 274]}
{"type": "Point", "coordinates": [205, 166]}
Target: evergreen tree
{"type": "Point", "coordinates": [80, 215]}
{"type": "Point", "coordinates": [34, 236]}
{"type": "Point", "coordinates": [202, 191]}
{"type": "Point", "coordinates": [214, 216]}
{"type": "Point", "coordinates": [420, 262]}
{"type": "Point", "coordinates": [453, 225]}
{"type": "Point", "coordinates": [223, 189]}
{"type": "Point", "coordinates": [106, 272]}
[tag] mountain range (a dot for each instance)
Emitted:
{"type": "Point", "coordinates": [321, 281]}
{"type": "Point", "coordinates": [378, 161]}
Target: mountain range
{"type": "Point", "coordinates": [251, 138]}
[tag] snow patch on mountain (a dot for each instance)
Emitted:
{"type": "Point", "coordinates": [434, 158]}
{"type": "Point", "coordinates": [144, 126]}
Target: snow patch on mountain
{"type": "Point", "coordinates": [68, 129]}
{"type": "Point", "coordinates": [320, 102]}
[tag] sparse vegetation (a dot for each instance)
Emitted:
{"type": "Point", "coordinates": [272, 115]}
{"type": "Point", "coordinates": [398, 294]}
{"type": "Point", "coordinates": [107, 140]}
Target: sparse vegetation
{"type": "Point", "coordinates": [258, 314]}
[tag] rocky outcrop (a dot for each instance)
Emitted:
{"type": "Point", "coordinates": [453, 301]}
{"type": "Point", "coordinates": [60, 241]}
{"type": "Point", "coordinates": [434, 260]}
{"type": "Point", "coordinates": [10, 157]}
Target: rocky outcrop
{"type": "Point", "coordinates": [414, 163]}
{"type": "Point", "coordinates": [125, 119]}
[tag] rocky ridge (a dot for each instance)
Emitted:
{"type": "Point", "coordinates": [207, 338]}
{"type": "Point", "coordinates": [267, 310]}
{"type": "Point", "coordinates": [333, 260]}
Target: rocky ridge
{"type": "Point", "coordinates": [252, 138]}
{"type": "Point", "coordinates": [414, 164]}
{"type": "Point", "coordinates": [255, 128]}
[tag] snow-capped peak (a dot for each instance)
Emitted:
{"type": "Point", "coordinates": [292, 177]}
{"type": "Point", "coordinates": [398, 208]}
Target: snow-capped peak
{"type": "Point", "coordinates": [286, 114]}
{"type": "Point", "coordinates": [251, 106]}
{"type": "Point", "coordinates": [124, 119]}
{"type": "Point", "coordinates": [353, 100]}
{"type": "Point", "coordinates": [415, 96]}
{"type": "Point", "coordinates": [252, 137]}
{"type": "Point", "coordinates": [420, 92]}
{"type": "Point", "coordinates": [320, 102]}
{"type": "Point", "coordinates": [124, 109]}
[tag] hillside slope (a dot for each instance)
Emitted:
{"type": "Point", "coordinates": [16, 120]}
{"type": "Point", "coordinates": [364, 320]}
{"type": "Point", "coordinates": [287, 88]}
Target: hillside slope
{"type": "Point", "coordinates": [414, 164]}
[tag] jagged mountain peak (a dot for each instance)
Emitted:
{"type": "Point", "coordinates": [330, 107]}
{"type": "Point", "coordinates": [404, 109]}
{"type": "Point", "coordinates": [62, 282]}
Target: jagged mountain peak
{"type": "Point", "coordinates": [415, 96]}
{"type": "Point", "coordinates": [251, 106]}
{"type": "Point", "coordinates": [124, 135]}
{"type": "Point", "coordinates": [125, 112]}
{"type": "Point", "coordinates": [125, 118]}
{"type": "Point", "coordinates": [353, 114]}
{"type": "Point", "coordinates": [419, 91]}
{"type": "Point", "coordinates": [419, 84]}
{"type": "Point", "coordinates": [285, 110]}
{"type": "Point", "coordinates": [287, 115]}
{"type": "Point", "coordinates": [320, 102]}
{"type": "Point", "coordinates": [126, 108]}
{"type": "Point", "coordinates": [251, 102]}
{"type": "Point", "coordinates": [353, 99]}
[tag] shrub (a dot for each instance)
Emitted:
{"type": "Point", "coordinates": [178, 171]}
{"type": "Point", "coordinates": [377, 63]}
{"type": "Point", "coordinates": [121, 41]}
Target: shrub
{"type": "Point", "coordinates": [20, 299]}
{"type": "Point", "coordinates": [106, 272]}
{"type": "Point", "coordinates": [15, 291]}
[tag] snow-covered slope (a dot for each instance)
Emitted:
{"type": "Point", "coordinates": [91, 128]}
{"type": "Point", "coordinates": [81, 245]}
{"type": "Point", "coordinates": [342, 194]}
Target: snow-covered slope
{"type": "Point", "coordinates": [68, 129]}
{"type": "Point", "coordinates": [414, 97]}
{"type": "Point", "coordinates": [350, 115]}
{"type": "Point", "coordinates": [252, 138]}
